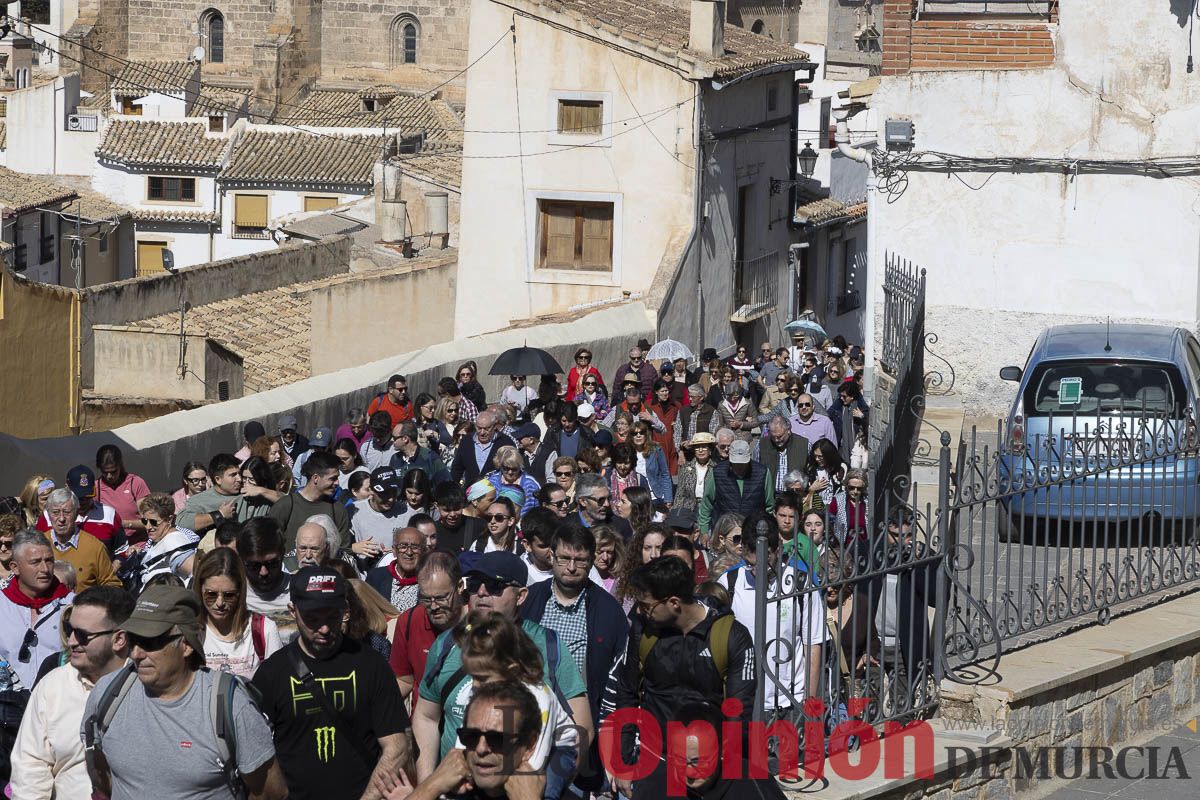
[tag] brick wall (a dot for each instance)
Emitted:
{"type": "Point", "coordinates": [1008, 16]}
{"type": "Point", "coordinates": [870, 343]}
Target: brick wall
{"type": "Point", "coordinates": [969, 41]}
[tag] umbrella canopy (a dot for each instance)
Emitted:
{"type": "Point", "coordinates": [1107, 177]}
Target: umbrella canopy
{"type": "Point", "coordinates": [806, 326]}
{"type": "Point", "coordinates": [525, 361]}
{"type": "Point", "coordinates": [669, 350]}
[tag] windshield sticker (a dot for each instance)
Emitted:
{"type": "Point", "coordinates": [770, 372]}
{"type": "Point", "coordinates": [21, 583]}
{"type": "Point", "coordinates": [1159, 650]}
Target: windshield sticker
{"type": "Point", "coordinates": [1070, 391]}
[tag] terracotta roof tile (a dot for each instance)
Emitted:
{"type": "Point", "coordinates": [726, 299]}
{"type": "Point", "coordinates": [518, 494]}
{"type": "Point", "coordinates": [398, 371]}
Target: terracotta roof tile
{"type": "Point", "coordinates": [219, 100]}
{"type": "Point", "coordinates": [97, 207]}
{"type": "Point", "coordinates": [143, 77]}
{"type": "Point", "coordinates": [441, 168]}
{"type": "Point", "coordinates": [664, 27]}
{"type": "Point", "coordinates": [19, 192]}
{"type": "Point", "coordinates": [175, 215]}
{"type": "Point", "coordinates": [827, 210]}
{"type": "Point", "coordinates": [334, 108]}
{"type": "Point", "coordinates": [157, 143]}
{"type": "Point", "coordinates": [296, 157]}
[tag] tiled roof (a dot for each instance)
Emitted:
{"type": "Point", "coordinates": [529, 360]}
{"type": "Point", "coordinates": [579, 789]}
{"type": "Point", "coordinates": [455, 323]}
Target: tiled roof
{"type": "Point", "coordinates": [19, 192]}
{"type": "Point", "coordinates": [156, 143]}
{"type": "Point", "coordinates": [295, 157]}
{"type": "Point", "coordinates": [143, 77]}
{"type": "Point", "coordinates": [827, 210]}
{"type": "Point", "coordinates": [441, 168]}
{"type": "Point", "coordinates": [664, 27]}
{"type": "Point", "coordinates": [96, 207]}
{"type": "Point", "coordinates": [173, 215]}
{"type": "Point", "coordinates": [343, 108]}
{"type": "Point", "coordinates": [219, 100]}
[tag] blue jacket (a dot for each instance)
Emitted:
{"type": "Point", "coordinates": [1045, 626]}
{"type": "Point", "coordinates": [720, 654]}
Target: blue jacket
{"type": "Point", "coordinates": [658, 475]}
{"type": "Point", "coordinates": [608, 631]}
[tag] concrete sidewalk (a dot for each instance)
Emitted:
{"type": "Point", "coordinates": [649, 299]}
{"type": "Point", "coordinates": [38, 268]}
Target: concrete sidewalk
{"type": "Point", "coordinates": [1174, 778]}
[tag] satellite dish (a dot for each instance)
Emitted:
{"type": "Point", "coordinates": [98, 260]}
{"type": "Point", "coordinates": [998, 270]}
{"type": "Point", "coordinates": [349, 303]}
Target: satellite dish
{"type": "Point", "coordinates": [198, 55]}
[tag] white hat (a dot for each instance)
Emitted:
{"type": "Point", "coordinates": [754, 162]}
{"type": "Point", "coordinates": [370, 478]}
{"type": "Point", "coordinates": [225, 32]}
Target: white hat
{"type": "Point", "coordinates": [586, 411]}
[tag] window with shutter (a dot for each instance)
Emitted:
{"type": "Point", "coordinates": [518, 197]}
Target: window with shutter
{"type": "Point", "coordinates": [580, 116]}
{"type": "Point", "coordinates": [575, 235]}
{"type": "Point", "coordinates": [149, 257]}
{"type": "Point", "coordinates": [313, 203]}
{"type": "Point", "coordinates": [250, 216]}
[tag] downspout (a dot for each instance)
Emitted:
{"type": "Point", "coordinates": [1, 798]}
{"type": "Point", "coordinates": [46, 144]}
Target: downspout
{"type": "Point", "coordinates": [698, 222]}
{"type": "Point", "coordinates": [874, 266]}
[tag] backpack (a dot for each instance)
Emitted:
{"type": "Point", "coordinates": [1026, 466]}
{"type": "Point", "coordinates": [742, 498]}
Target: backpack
{"type": "Point", "coordinates": [717, 640]}
{"type": "Point", "coordinates": [220, 708]}
{"type": "Point", "coordinates": [553, 657]}
{"type": "Point", "coordinates": [258, 635]}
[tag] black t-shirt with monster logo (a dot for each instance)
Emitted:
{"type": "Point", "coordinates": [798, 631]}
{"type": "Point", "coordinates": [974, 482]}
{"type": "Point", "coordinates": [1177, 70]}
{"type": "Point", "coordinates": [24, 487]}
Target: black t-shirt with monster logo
{"type": "Point", "coordinates": [317, 759]}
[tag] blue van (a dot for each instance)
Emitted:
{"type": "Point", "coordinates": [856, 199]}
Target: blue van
{"type": "Point", "coordinates": [1102, 428]}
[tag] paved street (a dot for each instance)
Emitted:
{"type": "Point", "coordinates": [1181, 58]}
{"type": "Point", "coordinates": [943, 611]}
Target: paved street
{"type": "Point", "coordinates": [1145, 788]}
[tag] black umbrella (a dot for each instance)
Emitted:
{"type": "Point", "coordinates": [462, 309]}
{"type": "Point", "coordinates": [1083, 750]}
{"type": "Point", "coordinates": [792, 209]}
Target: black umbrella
{"type": "Point", "coordinates": [525, 361]}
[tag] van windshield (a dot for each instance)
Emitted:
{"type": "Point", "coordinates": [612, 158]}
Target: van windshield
{"type": "Point", "coordinates": [1104, 387]}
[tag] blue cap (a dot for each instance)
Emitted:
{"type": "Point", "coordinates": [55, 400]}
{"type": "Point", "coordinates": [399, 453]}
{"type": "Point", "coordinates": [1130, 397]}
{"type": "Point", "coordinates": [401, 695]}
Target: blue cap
{"type": "Point", "coordinates": [501, 566]}
{"type": "Point", "coordinates": [602, 438]}
{"type": "Point", "coordinates": [322, 437]}
{"type": "Point", "coordinates": [81, 481]}
{"type": "Point", "coordinates": [528, 429]}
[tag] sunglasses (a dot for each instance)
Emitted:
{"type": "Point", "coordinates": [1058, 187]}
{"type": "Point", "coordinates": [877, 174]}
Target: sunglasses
{"type": "Point", "coordinates": [583, 357]}
{"type": "Point", "coordinates": [497, 741]}
{"type": "Point", "coordinates": [564, 473]}
{"type": "Point", "coordinates": [83, 637]}
{"type": "Point", "coordinates": [27, 644]}
{"type": "Point", "coordinates": [258, 566]}
{"type": "Point", "coordinates": [590, 383]}
{"type": "Point", "coordinates": [804, 405]}
{"type": "Point", "coordinates": [558, 503]}
{"type": "Point", "coordinates": [496, 517]}
{"type": "Point", "coordinates": [210, 596]}
{"type": "Point", "coordinates": [735, 538]}
{"type": "Point", "coordinates": [494, 586]}
{"type": "Point", "coordinates": [151, 523]}
{"type": "Point", "coordinates": [6, 544]}
{"type": "Point", "coordinates": [152, 644]}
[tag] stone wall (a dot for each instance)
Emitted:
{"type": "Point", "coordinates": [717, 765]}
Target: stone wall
{"type": "Point", "coordinates": [170, 29]}
{"type": "Point", "coordinates": [99, 34]}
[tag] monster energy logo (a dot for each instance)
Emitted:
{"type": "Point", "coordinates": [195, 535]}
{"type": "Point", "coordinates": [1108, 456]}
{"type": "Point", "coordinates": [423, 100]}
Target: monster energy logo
{"type": "Point", "coordinates": [326, 743]}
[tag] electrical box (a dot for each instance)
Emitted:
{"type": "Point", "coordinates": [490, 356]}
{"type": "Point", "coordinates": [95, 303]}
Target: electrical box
{"type": "Point", "coordinates": [898, 134]}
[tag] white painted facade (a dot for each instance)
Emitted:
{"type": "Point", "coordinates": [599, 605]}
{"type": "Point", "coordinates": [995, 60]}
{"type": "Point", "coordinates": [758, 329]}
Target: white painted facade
{"type": "Point", "coordinates": [39, 139]}
{"type": "Point", "coordinates": [283, 204]}
{"type": "Point", "coordinates": [1009, 253]}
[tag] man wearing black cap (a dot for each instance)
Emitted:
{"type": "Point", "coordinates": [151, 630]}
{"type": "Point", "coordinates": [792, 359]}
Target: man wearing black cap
{"type": "Point", "coordinates": [322, 439]}
{"type": "Point", "coordinates": [252, 431]}
{"type": "Point", "coordinates": [496, 582]}
{"type": "Point", "coordinates": [160, 740]}
{"type": "Point", "coordinates": [334, 705]}
{"type": "Point", "coordinates": [377, 516]}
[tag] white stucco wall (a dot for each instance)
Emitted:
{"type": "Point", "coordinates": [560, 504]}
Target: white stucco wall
{"type": "Point", "coordinates": [37, 139]}
{"type": "Point", "coordinates": [281, 202]}
{"type": "Point", "coordinates": [1012, 253]}
{"type": "Point", "coordinates": [645, 169]}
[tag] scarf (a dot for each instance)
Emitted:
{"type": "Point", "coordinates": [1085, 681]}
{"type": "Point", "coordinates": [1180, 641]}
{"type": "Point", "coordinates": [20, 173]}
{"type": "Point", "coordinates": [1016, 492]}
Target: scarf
{"type": "Point", "coordinates": [400, 579]}
{"type": "Point", "coordinates": [13, 592]}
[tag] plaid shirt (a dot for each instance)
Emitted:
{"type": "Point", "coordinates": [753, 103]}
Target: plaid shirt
{"type": "Point", "coordinates": [569, 622]}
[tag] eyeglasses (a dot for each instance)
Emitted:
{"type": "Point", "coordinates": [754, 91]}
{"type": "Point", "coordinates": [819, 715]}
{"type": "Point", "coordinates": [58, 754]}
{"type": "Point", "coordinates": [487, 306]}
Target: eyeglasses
{"type": "Point", "coordinates": [83, 637]}
{"type": "Point", "coordinates": [211, 596]}
{"type": "Point", "coordinates": [735, 538]}
{"type": "Point", "coordinates": [496, 517]}
{"type": "Point", "coordinates": [314, 549]}
{"type": "Point", "coordinates": [646, 609]}
{"type": "Point", "coordinates": [152, 644]}
{"type": "Point", "coordinates": [435, 599]}
{"type": "Point", "coordinates": [600, 501]}
{"type": "Point", "coordinates": [564, 473]}
{"type": "Point", "coordinates": [558, 503]}
{"type": "Point", "coordinates": [804, 405]}
{"type": "Point", "coordinates": [513, 470]}
{"type": "Point", "coordinates": [591, 384]}
{"type": "Point", "coordinates": [639, 433]}
{"type": "Point", "coordinates": [407, 547]}
{"type": "Point", "coordinates": [583, 357]}
{"type": "Point", "coordinates": [452, 408]}
{"type": "Point", "coordinates": [566, 561]}
{"type": "Point", "coordinates": [853, 488]}
{"type": "Point", "coordinates": [151, 523]}
{"type": "Point", "coordinates": [27, 644]}
{"type": "Point", "coordinates": [6, 544]}
{"type": "Point", "coordinates": [196, 481]}
{"type": "Point", "coordinates": [259, 566]}
{"type": "Point", "coordinates": [497, 741]}
{"type": "Point", "coordinates": [494, 586]}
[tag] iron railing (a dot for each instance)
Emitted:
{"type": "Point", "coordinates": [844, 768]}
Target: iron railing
{"type": "Point", "coordinates": [756, 287]}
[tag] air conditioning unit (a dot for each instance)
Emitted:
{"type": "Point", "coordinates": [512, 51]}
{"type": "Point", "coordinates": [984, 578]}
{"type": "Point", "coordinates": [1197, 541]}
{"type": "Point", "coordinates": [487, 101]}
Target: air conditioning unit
{"type": "Point", "coordinates": [74, 123]}
{"type": "Point", "coordinates": [81, 122]}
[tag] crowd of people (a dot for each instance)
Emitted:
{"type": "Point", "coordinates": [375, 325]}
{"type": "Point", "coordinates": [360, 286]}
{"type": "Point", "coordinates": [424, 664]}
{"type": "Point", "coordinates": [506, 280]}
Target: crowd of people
{"type": "Point", "coordinates": [446, 595]}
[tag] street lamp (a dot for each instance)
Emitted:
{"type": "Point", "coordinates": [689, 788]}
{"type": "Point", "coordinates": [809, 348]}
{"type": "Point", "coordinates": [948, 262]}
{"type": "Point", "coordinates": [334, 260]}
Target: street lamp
{"type": "Point", "coordinates": [808, 160]}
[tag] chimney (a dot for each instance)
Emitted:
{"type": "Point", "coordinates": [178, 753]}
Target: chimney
{"type": "Point", "coordinates": [390, 210]}
{"type": "Point", "coordinates": [707, 34]}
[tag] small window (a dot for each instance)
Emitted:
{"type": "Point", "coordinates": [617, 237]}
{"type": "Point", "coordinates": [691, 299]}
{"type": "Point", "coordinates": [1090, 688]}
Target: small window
{"type": "Point", "coordinates": [405, 36]}
{"type": "Point", "coordinates": [250, 216]}
{"type": "Point", "coordinates": [575, 235]}
{"type": "Point", "coordinates": [316, 203]}
{"type": "Point", "coordinates": [758, 26]}
{"type": "Point", "coordinates": [3, 108]}
{"type": "Point", "coordinates": [104, 243]}
{"type": "Point", "coordinates": [46, 239]}
{"type": "Point", "coordinates": [410, 43]}
{"type": "Point", "coordinates": [128, 107]}
{"type": "Point", "coordinates": [222, 390]}
{"type": "Point", "coordinates": [216, 123]}
{"type": "Point", "coordinates": [369, 105]}
{"type": "Point", "coordinates": [150, 258]}
{"type": "Point", "coordinates": [212, 26]}
{"type": "Point", "coordinates": [20, 257]}
{"type": "Point", "coordinates": [773, 96]}
{"type": "Point", "coordinates": [171, 190]}
{"type": "Point", "coordinates": [580, 116]}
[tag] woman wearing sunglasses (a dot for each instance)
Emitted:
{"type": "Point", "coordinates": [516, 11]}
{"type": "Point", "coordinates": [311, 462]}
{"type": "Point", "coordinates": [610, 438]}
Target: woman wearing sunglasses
{"type": "Point", "coordinates": [236, 640]}
{"type": "Point", "coordinates": [500, 533]}
{"type": "Point", "coordinates": [577, 378]}
{"type": "Point", "coordinates": [725, 546]}
{"type": "Point", "coordinates": [169, 549]}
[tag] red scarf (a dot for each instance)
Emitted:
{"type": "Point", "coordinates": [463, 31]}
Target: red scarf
{"type": "Point", "coordinates": [13, 592]}
{"type": "Point", "coordinates": [398, 578]}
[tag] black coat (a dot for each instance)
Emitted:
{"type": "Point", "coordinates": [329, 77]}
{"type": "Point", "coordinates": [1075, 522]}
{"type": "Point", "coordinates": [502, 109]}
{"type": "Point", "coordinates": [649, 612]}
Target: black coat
{"type": "Point", "coordinates": [465, 470]}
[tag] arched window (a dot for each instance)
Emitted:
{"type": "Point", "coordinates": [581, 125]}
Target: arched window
{"type": "Point", "coordinates": [406, 34]}
{"type": "Point", "coordinates": [757, 27]}
{"type": "Point", "coordinates": [212, 36]}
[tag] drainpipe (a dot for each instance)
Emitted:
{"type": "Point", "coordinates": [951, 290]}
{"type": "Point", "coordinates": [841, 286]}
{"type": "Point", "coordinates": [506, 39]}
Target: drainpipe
{"type": "Point", "coordinates": [874, 265]}
{"type": "Point", "coordinates": [700, 216]}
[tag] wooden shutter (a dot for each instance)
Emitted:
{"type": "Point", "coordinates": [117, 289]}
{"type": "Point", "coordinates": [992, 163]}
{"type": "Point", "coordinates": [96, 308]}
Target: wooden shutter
{"type": "Point", "coordinates": [149, 257]}
{"type": "Point", "coordinates": [250, 210]}
{"type": "Point", "coordinates": [558, 235]}
{"type": "Point", "coordinates": [597, 236]}
{"type": "Point", "coordinates": [580, 116]}
{"type": "Point", "coordinates": [319, 203]}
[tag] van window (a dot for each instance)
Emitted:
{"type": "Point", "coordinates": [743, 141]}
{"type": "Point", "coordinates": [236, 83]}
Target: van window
{"type": "Point", "coordinates": [1104, 387]}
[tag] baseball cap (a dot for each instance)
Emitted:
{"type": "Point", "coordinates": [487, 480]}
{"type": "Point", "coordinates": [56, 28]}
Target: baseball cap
{"type": "Point", "coordinates": [318, 587]}
{"type": "Point", "coordinates": [739, 452]}
{"type": "Point", "coordinates": [287, 422]}
{"type": "Point", "coordinates": [602, 438]}
{"type": "Point", "coordinates": [253, 430]}
{"type": "Point", "coordinates": [527, 430]}
{"type": "Point", "coordinates": [82, 481]}
{"type": "Point", "coordinates": [321, 438]}
{"type": "Point", "coordinates": [162, 609]}
{"type": "Point", "coordinates": [586, 410]}
{"type": "Point", "coordinates": [666, 368]}
{"type": "Point", "coordinates": [384, 481]}
{"type": "Point", "coordinates": [681, 517]}
{"type": "Point", "coordinates": [502, 567]}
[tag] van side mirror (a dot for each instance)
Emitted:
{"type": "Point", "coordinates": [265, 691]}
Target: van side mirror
{"type": "Point", "coordinates": [1010, 374]}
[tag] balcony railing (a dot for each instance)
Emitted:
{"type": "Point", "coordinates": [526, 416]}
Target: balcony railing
{"type": "Point", "coordinates": [755, 287]}
{"type": "Point", "coordinates": [1041, 8]}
